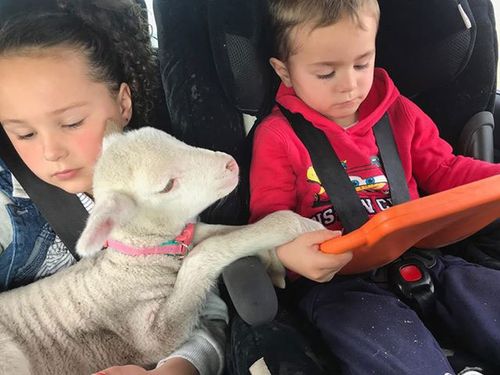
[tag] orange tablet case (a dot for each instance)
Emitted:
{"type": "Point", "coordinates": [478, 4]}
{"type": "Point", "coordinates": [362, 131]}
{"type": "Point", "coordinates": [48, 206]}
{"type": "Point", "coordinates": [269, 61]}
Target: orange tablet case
{"type": "Point", "coordinates": [429, 222]}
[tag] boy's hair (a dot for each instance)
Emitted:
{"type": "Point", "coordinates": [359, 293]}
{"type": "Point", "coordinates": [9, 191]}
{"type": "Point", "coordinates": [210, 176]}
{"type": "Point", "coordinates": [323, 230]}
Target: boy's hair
{"type": "Point", "coordinates": [112, 35]}
{"type": "Point", "coordinates": [288, 14]}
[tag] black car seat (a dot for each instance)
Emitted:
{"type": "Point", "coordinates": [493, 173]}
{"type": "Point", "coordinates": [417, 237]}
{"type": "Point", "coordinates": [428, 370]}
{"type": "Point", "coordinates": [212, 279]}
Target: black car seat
{"type": "Point", "coordinates": [445, 61]}
{"type": "Point", "coordinates": [496, 134]}
{"type": "Point", "coordinates": [443, 55]}
{"type": "Point", "coordinates": [198, 41]}
{"type": "Point", "coordinates": [213, 55]}
{"type": "Point", "coordinates": [214, 68]}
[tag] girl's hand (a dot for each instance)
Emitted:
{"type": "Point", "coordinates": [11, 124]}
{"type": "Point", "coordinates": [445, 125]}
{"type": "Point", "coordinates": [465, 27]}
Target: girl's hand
{"type": "Point", "coordinates": [303, 256]}
{"type": "Point", "coordinates": [123, 370]}
{"type": "Point", "coordinates": [173, 366]}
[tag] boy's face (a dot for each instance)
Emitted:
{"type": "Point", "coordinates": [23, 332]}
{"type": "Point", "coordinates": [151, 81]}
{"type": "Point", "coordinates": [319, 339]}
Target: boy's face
{"type": "Point", "coordinates": [331, 68]}
{"type": "Point", "coordinates": [56, 116]}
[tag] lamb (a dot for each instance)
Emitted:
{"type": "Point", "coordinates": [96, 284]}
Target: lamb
{"type": "Point", "coordinates": [129, 303]}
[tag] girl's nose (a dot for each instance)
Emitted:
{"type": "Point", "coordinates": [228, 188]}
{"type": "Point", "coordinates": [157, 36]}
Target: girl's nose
{"type": "Point", "coordinates": [54, 150]}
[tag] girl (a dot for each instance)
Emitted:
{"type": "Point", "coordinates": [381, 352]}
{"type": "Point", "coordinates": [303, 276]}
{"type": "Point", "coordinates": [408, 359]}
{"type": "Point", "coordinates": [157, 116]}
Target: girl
{"type": "Point", "coordinates": [67, 72]}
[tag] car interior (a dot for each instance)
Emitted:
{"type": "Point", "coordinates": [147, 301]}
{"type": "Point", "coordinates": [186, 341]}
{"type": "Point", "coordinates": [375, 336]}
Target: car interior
{"type": "Point", "coordinates": [218, 85]}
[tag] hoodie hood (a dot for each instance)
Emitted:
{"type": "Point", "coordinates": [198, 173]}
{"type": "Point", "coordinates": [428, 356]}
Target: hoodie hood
{"type": "Point", "coordinates": [381, 96]}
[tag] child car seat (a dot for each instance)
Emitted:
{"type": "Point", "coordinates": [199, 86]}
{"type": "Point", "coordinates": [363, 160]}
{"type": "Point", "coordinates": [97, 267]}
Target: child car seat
{"type": "Point", "coordinates": [496, 133]}
{"type": "Point", "coordinates": [213, 57]}
{"type": "Point", "coordinates": [443, 55]}
{"type": "Point", "coordinates": [447, 67]}
{"type": "Point", "coordinates": [206, 112]}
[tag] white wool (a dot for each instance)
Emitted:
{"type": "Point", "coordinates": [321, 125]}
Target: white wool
{"type": "Point", "coordinates": [113, 309]}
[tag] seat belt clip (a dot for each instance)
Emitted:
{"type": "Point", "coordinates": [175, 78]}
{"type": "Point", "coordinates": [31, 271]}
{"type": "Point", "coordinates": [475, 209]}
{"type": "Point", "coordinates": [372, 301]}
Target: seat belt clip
{"type": "Point", "coordinates": [411, 278]}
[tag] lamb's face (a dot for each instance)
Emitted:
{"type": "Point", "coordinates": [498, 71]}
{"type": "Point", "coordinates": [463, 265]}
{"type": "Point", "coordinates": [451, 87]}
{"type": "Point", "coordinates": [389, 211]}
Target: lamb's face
{"type": "Point", "coordinates": [163, 175]}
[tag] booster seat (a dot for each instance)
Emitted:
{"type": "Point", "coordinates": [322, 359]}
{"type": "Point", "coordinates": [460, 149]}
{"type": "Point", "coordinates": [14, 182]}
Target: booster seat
{"type": "Point", "coordinates": [447, 66]}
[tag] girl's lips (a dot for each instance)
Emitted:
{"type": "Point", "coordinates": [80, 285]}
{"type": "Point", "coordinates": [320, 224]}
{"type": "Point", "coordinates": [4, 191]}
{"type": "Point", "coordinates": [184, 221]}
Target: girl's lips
{"type": "Point", "coordinates": [66, 174]}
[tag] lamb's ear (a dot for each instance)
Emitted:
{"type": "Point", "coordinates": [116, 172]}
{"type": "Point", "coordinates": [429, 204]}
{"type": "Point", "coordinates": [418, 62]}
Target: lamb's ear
{"type": "Point", "coordinates": [109, 139]}
{"type": "Point", "coordinates": [112, 132]}
{"type": "Point", "coordinates": [113, 209]}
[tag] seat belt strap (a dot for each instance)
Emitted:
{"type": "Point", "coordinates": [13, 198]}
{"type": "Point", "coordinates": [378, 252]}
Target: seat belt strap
{"type": "Point", "coordinates": [63, 211]}
{"type": "Point", "coordinates": [333, 175]}
{"type": "Point", "coordinates": [345, 200]}
{"type": "Point", "coordinates": [330, 171]}
{"type": "Point", "coordinates": [391, 161]}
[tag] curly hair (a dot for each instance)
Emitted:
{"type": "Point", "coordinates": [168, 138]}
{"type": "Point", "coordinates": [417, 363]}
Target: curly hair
{"type": "Point", "coordinates": [112, 34]}
{"type": "Point", "coordinates": [286, 15]}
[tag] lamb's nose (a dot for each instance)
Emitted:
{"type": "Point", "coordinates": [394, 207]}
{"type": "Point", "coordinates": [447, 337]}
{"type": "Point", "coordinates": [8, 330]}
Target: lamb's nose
{"type": "Point", "coordinates": [232, 166]}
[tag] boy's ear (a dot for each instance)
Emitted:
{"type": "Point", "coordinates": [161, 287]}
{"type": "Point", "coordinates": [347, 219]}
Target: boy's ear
{"type": "Point", "coordinates": [281, 70]}
{"type": "Point", "coordinates": [111, 211]}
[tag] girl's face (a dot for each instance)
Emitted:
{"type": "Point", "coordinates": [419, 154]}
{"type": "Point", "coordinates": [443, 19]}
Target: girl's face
{"type": "Point", "coordinates": [56, 116]}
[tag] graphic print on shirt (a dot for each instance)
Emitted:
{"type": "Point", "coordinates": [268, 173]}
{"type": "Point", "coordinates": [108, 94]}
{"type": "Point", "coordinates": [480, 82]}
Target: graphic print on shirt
{"type": "Point", "coordinates": [368, 180]}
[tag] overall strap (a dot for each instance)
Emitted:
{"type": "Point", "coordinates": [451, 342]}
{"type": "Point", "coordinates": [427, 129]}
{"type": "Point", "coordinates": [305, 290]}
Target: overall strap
{"type": "Point", "coordinates": [63, 211]}
{"type": "Point", "coordinates": [333, 175]}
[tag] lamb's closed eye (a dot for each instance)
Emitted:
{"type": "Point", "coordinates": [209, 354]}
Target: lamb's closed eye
{"type": "Point", "coordinates": [169, 186]}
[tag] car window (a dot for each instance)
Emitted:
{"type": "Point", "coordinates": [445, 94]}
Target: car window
{"type": "Point", "coordinates": [496, 7]}
{"type": "Point", "coordinates": [152, 23]}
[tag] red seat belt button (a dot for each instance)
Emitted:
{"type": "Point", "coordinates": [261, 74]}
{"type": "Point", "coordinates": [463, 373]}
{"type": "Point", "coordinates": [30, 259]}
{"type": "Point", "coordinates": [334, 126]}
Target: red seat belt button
{"type": "Point", "coordinates": [410, 273]}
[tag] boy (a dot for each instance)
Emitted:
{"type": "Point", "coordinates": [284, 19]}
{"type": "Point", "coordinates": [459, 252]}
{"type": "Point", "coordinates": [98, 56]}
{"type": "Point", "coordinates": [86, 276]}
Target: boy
{"type": "Point", "coordinates": [325, 59]}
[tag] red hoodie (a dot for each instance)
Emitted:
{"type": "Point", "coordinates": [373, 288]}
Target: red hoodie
{"type": "Point", "coordinates": [281, 173]}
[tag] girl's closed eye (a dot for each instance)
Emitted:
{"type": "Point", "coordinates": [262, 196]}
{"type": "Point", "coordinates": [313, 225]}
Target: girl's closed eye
{"type": "Point", "coordinates": [25, 136]}
{"type": "Point", "coordinates": [73, 125]}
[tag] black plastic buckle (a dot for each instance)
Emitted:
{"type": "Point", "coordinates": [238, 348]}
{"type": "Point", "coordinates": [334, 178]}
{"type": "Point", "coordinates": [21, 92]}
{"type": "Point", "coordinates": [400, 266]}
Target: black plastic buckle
{"type": "Point", "coordinates": [411, 278]}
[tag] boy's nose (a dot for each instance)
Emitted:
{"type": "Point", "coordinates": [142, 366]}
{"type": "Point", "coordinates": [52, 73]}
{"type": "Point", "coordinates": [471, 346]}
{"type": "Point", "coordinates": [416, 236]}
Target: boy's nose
{"type": "Point", "coordinates": [347, 81]}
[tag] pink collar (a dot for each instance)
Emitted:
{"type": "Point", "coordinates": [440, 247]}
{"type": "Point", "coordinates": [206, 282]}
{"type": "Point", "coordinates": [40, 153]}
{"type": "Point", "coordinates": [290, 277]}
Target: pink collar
{"type": "Point", "coordinates": [179, 246]}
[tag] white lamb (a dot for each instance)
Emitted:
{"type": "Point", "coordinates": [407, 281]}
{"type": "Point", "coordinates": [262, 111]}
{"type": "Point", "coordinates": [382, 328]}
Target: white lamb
{"type": "Point", "coordinates": [112, 308]}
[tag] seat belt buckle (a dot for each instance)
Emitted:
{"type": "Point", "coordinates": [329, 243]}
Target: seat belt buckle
{"type": "Point", "coordinates": [411, 278]}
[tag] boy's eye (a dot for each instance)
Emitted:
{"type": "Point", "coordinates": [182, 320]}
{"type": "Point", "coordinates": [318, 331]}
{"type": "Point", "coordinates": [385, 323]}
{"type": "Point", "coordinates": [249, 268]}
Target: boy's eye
{"type": "Point", "coordinates": [361, 67]}
{"type": "Point", "coordinates": [325, 76]}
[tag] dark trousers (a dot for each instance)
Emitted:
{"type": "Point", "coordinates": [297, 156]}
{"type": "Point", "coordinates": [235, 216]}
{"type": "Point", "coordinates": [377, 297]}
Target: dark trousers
{"type": "Point", "coordinates": [285, 344]}
{"type": "Point", "coordinates": [371, 330]}
{"type": "Point", "coordinates": [368, 329]}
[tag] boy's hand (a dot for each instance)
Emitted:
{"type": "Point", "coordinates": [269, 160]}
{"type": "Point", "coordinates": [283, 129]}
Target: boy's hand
{"type": "Point", "coordinates": [303, 256]}
{"type": "Point", "coordinates": [173, 366]}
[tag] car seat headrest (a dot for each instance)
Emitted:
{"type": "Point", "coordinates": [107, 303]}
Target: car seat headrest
{"type": "Point", "coordinates": [241, 47]}
{"type": "Point", "coordinates": [424, 45]}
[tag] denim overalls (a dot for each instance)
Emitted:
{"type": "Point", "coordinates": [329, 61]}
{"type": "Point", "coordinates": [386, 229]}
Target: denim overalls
{"type": "Point", "coordinates": [31, 238]}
